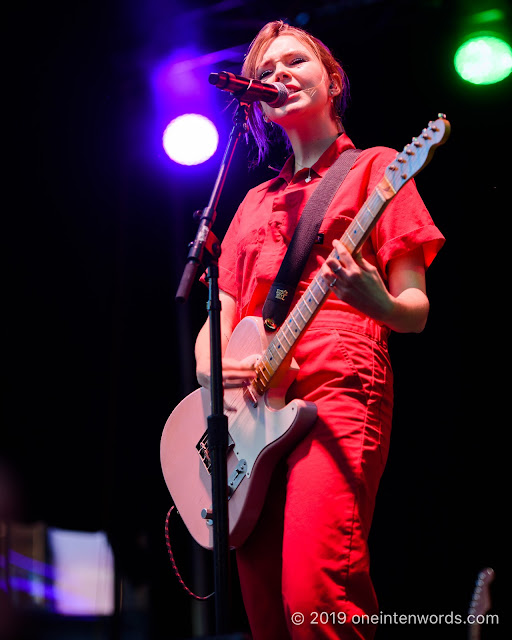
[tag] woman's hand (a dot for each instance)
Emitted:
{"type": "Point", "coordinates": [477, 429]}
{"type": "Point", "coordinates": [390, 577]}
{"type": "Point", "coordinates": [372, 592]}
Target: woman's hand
{"type": "Point", "coordinates": [235, 373]}
{"type": "Point", "coordinates": [358, 283]}
{"type": "Point", "coordinates": [403, 308]}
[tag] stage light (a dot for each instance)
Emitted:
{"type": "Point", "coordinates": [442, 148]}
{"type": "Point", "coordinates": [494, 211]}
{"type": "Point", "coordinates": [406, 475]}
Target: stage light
{"type": "Point", "coordinates": [83, 566]}
{"type": "Point", "coordinates": [483, 59]}
{"type": "Point", "coordinates": [302, 18]}
{"type": "Point", "coordinates": [190, 139]}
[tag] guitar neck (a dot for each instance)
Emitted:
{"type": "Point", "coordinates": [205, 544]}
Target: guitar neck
{"type": "Point", "coordinates": [301, 316]}
{"type": "Point", "coordinates": [474, 632]}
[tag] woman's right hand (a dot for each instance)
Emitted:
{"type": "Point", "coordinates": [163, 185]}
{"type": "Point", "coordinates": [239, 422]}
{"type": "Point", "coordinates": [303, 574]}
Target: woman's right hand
{"type": "Point", "coordinates": [235, 373]}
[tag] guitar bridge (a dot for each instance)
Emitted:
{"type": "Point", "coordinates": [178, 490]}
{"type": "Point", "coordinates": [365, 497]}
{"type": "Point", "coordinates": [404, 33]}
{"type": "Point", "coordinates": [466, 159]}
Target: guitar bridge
{"type": "Point", "coordinates": [204, 452]}
{"type": "Point", "coordinates": [236, 477]}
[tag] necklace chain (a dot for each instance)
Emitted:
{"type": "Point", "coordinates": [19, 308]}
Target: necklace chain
{"type": "Point", "coordinates": [308, 179]}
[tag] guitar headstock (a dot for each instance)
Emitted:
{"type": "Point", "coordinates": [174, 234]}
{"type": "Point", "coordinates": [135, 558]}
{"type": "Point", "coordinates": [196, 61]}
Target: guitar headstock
{"type": "Point", "coordinates": [481, 600]}
{"type": "Point", "coordinates": [418, 153]}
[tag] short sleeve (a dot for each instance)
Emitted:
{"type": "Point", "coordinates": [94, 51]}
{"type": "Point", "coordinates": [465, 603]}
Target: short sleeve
{"type": "Point", "coordinates": [405, 226]}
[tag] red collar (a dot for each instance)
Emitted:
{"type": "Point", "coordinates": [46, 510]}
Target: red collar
{"type": "Point", "coordinates": [322, 165]}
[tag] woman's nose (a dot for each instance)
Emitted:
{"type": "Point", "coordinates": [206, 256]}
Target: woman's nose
{"type": "Point", "coordinates": [281, 73]}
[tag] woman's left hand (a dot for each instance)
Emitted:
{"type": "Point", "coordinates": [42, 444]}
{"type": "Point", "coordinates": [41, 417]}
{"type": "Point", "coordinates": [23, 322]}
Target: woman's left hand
{"type": "Point", "coordinates": [403, 308]}
{"type": "Point", "coordinates": [358, 283]}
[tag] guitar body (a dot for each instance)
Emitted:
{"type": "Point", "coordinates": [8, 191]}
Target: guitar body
{"type": "Point", "coordinates": [261, 433]}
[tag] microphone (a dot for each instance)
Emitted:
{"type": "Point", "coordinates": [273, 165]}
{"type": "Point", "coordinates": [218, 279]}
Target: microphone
{"type": "Point", "coordinates": [250, 90]}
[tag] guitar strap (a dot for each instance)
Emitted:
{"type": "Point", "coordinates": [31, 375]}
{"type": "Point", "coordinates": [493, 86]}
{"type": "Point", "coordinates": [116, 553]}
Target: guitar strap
{"type": "Point", "coordinates": [281, 292]}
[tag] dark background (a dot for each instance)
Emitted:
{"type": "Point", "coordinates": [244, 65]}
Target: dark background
{"type": "Point", "coordinates": [98, 352]}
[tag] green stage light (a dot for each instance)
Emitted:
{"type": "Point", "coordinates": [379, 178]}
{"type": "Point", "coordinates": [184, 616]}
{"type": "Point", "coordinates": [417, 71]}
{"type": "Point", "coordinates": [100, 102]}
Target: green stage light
{"type": "Point", "coordinates": [483, 59]}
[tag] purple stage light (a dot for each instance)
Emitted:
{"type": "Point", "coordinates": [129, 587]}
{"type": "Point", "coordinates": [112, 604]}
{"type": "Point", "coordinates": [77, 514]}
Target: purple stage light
{"type": "Point", "coordinates": [190, 139]}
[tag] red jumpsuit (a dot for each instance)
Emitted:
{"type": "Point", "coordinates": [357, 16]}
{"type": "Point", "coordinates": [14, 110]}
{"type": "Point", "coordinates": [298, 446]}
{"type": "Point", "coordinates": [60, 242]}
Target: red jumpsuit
{"type": "Point", "coordinates": [304, 570]}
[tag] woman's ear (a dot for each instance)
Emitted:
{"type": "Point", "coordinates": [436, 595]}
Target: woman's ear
{"type": "Point", "coordinates": [335, 86]}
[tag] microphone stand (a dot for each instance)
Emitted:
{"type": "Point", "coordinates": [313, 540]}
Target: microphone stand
{"type": "Point", "coordinates": [206, 248]}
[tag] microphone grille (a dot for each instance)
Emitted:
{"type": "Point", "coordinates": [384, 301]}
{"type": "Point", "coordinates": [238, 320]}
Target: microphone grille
{"type": "Point", "coordinates": [282, 96]}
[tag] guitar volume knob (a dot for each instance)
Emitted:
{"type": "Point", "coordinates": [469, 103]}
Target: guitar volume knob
{"type": "Point", "coordinates": [207, 514]}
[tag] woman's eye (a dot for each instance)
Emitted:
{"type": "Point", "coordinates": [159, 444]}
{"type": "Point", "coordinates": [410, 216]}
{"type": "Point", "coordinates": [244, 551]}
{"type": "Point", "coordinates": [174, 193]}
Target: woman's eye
{"type": "Point", "coordinates": [293, 62]}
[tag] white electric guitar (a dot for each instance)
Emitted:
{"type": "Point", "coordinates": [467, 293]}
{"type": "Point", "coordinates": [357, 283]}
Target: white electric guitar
{"type": "Point", "coordinates": [261, 426]}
